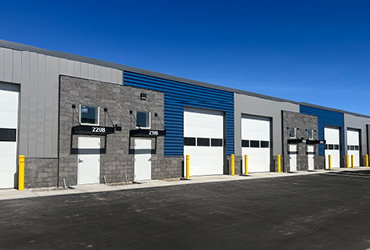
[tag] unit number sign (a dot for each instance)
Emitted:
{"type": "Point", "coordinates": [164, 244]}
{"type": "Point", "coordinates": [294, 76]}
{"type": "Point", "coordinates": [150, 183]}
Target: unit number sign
{"type": "Point", "coordinates": [153, 132]}
{"type": "Point", "coordinates": [98, 129]}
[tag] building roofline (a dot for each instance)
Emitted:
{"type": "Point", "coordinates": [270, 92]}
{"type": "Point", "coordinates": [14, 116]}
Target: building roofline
{"type": "Point", "coordinates": [23, 47]}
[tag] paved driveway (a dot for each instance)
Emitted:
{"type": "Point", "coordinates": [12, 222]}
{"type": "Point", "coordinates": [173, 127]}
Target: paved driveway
{"type": "Point", "coordinates": [325, 211]}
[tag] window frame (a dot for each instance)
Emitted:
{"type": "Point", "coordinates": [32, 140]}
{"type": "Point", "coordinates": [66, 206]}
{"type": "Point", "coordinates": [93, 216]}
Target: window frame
{"type": "Point", "coordinates": [308, 134]}
{"type": "Point", "coordinates": [149, 119]}
{"type": "Point", "coordinates": [98, 116]}
{"type": "Point", "coordinates": [295, 132]}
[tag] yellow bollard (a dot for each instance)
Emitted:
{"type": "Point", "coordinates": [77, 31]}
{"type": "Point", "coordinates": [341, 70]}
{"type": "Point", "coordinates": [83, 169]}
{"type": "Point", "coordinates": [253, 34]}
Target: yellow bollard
{"type": "Point", "coordinates": [367, 160]}
{"type": "Point", "coordinates": [246, 164]}
{"type": "Point", "coordinates": [187, 167]}
{"type": "Point", "coordinates": [347, 161]}
{"type": "Point", "coordinates": [232, 164]}
{"type": "Point", "coordinates": [279, 164]}
{"type": "Point", "coordinates": [21, 173]}
{"type": "Point", "coordinates": [353, 161]}
{"type": "Point", "coordinates": [329, 162]}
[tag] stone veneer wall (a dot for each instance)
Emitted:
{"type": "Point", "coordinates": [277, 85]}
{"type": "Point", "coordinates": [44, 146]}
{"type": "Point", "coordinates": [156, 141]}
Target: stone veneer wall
{"type": "Point", "coordinates": [40, 172]}
{"type": "Point", "coordinates": [302, 122]}
{"type": "Point", "coordinates": [117, 158]}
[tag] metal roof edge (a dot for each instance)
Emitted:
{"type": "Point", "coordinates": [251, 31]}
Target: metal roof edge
{"type": "Point", "coordinates": [333, 109]}
{"type": "Point", "coordinates": [23, 47]}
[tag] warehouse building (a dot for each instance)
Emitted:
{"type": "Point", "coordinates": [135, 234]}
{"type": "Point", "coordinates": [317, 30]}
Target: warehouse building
{"type": "Point", "coordinates": [79, 121]}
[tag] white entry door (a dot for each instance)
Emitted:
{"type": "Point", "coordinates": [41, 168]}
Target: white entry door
{"type": "Point", "coordinates": [143, 163]}
{"type": "Point", "coordinates": [256, 143]}
{"type": "Point", "coordinates": [88, 160]}
{"type": "Point", "coordinates": [353, 146]}
{"type": "Point", "coordinates": [332, 147]}
{"type": "Point", "coordinates": [310, 156]}
{"type": "Point", "coordinates": [293, 151]}
{"type": "Point", "coordinates": [8, 134]}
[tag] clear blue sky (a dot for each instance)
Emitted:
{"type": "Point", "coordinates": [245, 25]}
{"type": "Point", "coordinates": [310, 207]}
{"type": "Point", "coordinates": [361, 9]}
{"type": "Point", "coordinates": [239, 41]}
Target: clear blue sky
{"type": "Point", "coordinates": [310, 51]}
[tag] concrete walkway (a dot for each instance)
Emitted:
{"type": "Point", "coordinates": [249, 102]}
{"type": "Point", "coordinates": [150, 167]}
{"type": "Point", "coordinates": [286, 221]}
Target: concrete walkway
{"type": "Point", "coordinates": [9, 194]}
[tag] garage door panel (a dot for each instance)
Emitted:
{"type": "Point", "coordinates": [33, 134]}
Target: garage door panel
{"type": "Point", "coordinates": [201, 128]}
{"type": "Point", "coordinates": [256, 143]}
{"type": "Point", "coordinates": [205, 160]}
{"type": "Point", "coordinates": [332, 137]}
{"type": "Point", "coordinates": [8, 134]}
{"type": "Point", "coordinates": [258, 159]}
{"type": "Point", "coordinates": [254, 129]}
{"type": "Point", "coordinates": [8, 109]}
{"type": "Point", "coordinates": [203, 125]}
{"type": "Point", "coordinates": [353, 146]}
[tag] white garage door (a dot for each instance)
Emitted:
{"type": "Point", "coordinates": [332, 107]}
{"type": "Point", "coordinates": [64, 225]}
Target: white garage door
{"type": "Point", "coordinates": [203, 141]}
{"type": "Point", "coordinates": [332, 147]}
{"type": "Point", "coordinates": [8, 134]}
{"type": "Point", "coordinates": [353, 146]}
{"type": "Point", "coordinates": [256, 143]}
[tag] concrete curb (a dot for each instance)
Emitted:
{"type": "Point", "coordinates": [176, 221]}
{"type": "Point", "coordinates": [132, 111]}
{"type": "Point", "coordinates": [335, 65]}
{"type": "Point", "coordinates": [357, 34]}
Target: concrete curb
{"type": "Point", "coordinates": [12, 194]}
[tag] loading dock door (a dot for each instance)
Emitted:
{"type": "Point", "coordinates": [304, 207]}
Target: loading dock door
{"type": "Point", "coordinates": [256, 143]}
{"type": "Point", "coordinates": [204, 141]}
{"type": "Point", "coordinates": [353, 146]}
{"type": "Point", "coordinates": [332, 147]}
{"type": "Point", "coordinates": [8, 135]}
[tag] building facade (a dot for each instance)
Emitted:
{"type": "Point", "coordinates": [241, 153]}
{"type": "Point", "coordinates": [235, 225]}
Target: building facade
{"type": "Point", "coordinates": [79, 120]}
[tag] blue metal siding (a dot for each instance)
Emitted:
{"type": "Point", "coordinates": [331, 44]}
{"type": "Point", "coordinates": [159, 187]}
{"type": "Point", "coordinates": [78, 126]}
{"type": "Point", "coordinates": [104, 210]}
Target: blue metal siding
{"type": "Point", "coordinates": [176, 96]}
{"type": "Point", "coordinates": [325, 118]}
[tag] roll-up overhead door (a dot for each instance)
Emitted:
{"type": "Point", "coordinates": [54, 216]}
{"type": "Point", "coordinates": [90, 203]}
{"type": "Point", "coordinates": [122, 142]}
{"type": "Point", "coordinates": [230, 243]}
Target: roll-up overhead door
{"type": "Point", "coordinates": [204, 141]}
{"type": "Point", "coordinates": [256, 143]}
{"type": "Point", "coordinates": [8, 134]}
{"type": "Point", "coordinates": [332, 147]}
{"type": "Point", "coordinates": [353, 146]}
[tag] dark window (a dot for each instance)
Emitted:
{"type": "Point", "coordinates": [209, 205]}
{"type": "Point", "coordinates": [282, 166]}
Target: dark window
{"type": "Point", "coordinates": [8, 134]}
{"type": "Point", "coordinates": [142, 119]}
{"type": "Point", "coordinates": [351, 147]}
{"type": "Point", "coordinates": [357, 148]}
{"type": "Point", "coordinates": [310, 133]}
{"type": "Point", "coordinates": [203, 142]}
{"type": "Point", "coordinates": [326, 146]}
{"type": "Point", "coordinates": [331, 146]}
{"type": "Point", "coordinates": [216, 142]}
{"type": "Point", "coordinates": [189, 141]}
{"type": "Point", "coordinates": [264, 144]}
{"type": "Point", "coordinates": [89, 115]}
{"type": "Point", "coordinates": [255, 144]}
{"type": "Point", "coordinates": [292, 132]}
{"type": "Point", "coordinates": [336, 147]}
{"type": "Point", "coordinates": [245, 143]}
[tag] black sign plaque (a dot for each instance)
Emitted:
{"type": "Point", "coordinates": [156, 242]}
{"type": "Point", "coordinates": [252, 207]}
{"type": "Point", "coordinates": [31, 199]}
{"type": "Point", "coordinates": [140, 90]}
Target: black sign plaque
{"type": "Point", "coordinates": [92, 130]}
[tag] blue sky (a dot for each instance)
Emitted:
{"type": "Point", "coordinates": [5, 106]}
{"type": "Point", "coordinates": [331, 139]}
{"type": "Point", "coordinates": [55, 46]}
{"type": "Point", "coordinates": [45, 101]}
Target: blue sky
{"type": "Point", "coordinates": [309, 51]}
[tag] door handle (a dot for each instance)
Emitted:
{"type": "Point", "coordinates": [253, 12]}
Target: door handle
{"type": "Point", "coordinates": [80, 161]}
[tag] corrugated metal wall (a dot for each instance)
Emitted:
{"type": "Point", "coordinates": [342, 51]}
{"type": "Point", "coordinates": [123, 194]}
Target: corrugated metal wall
{"type": "Point", "coordinates": [38, 75]}
{"type": "Point", "coordinates": [177, 95]}
{"type": "Point", "coordinates": [325, 118]}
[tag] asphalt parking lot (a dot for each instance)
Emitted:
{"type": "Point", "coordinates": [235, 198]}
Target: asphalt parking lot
{"type": "Point", "coordinates": [323, 211]}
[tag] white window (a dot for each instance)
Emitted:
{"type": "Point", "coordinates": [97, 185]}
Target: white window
{"type": "Point", "coordinates": [89, 115]}
{"type": "Point", "coordinates": [310, 133]}
{"type": "Point", "coordinates": [142, 119]}
{"type": "Point", "coordinates": [292, 132]}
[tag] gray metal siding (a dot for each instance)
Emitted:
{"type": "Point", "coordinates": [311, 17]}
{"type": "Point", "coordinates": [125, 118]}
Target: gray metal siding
{"type": "Point", "coordinates": [250, 105]}
{"type": "Point", "coordinates": [355, 122]}
{"type": "Point", "coordinates": [38, 75]}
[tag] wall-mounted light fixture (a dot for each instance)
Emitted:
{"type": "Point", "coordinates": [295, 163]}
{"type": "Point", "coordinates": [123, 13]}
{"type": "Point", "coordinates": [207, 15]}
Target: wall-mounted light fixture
{"type": "Point", "coordinates": [143, 96]}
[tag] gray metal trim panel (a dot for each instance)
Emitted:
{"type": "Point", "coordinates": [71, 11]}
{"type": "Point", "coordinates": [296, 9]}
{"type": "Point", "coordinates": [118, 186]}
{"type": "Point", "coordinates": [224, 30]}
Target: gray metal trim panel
{"type": "Point", "coordinates": [355, 122]}
{"type": "Point", "coordinates": [38, 75]}
{"type": "Point", "coordinates": [249, 105]}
